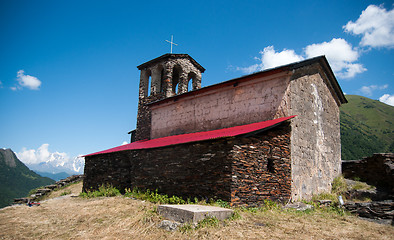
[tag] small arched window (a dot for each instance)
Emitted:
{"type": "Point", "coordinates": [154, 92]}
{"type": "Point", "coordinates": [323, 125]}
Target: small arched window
{"type": "Point", "coordinates": [271, 165]}
{"type": "Point", "coordinates": [190, 79]}
{"type": "Point", "coordinates": [146, 81]}
{"type": "Point", "coordinates": [176, 72]}
{"type": "Point", "coordinates": [149, 82]}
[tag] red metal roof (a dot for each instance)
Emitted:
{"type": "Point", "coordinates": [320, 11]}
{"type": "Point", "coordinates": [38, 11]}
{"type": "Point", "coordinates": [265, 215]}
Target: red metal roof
{"type": "Point", "coordinates": [195, 137]}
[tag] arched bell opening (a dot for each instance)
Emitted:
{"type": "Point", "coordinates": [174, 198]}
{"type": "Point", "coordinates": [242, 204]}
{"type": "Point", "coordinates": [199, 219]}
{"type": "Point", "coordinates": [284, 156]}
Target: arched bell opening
{"type": "Point", "coordinates": [176, 74]}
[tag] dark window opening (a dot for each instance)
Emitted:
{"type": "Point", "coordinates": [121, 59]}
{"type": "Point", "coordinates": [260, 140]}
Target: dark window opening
{"type": "Point", "coordinates": [271, 165]}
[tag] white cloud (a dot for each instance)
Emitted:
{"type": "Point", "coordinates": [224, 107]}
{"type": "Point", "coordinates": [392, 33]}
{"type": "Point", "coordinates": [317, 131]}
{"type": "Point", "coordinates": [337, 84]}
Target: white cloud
{"type": "Point", "coordinates": [124, 143]}
{"type": "Point", "coordinates": [336, 50]}
{"type": "Point", "coordinates": [340, 54]}
{"type": "Point", "coordinates": [367, 90]}
{"type": "Point", "coordinates": [27, 81]}
{"type": "Point", "coordinates": [1, 84]}
{"type": "Point", "coordinates": [350, 70]}
{"type": "Point", "coordinates": [388, 99]}
{"type": "Point", "coordinates": [270, 59]}
{"type": "Point", "coordinates": [42, 154]}
{"type": "Point", "coordinates": [376, 25]}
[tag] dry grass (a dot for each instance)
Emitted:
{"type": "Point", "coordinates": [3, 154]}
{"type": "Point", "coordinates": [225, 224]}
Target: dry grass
{"type": "Point", "coordinates": [122, 218]}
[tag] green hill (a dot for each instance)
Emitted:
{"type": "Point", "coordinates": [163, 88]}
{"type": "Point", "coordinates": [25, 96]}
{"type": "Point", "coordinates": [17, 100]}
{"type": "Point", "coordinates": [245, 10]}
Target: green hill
{"type": "Point", "coordinates": [16, 180]}
{"type": "Point", "coordinates": [366, 127]}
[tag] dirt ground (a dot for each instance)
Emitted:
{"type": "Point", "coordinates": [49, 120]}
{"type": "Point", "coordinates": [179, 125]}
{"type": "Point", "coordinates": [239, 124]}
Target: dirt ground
{"type": "Point", "coordinates": [71, 217]}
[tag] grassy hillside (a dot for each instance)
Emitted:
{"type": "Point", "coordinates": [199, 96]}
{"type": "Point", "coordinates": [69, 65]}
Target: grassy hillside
{"type": "Point", "coordinates": [366, 127]}
{"type": "Point", "coordinates": [16, 180]}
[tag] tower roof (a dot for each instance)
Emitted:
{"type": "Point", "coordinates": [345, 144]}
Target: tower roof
{"type": "Point", "coordinates": [171, 56]}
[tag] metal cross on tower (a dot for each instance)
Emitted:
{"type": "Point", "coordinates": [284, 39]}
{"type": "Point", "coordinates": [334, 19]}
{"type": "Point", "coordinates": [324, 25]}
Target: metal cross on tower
{"type": "Point", "coordinates": [172, 43]}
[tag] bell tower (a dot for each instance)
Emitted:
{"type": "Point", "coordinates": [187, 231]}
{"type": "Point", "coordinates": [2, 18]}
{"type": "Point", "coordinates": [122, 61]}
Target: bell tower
{"type": "Point", "coordinates": [163, 77]}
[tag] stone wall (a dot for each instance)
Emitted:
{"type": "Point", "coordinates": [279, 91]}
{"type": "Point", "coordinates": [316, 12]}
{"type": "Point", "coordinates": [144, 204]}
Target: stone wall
{"type": "Point", "coordinates": [261, 168]}
{"type": "Point", "coordinates": [237, 104]}
{"type": "Point", "coordinates": [143, 128]}
{"type": "Point", "coordinates": [377, 170]}
{"type": "Point", "coordinates": [315, 140]}
{"type": "Point", "coordinates": [107, 169]}
{"type": "Point", "coordinates": [234, 169]}
{"type": "Point", "coordinates": [374, 210]}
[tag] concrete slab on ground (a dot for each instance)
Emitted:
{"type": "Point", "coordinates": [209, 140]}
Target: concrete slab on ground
{"type": "Point", "coordinates": [191, 213]}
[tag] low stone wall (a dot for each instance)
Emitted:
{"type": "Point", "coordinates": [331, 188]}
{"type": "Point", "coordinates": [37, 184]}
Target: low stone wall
{"type": "Point", "coordinates": [377, 170]}
{"type": "Point", "coordinates": [374, 210]}
{"type": "Point", "coordinates": [48, 189]}
{"type": "Point", "coordinates": [234, 169]}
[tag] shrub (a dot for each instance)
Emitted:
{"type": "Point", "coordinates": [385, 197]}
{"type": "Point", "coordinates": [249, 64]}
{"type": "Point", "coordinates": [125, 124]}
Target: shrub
{"type": "Point", "coordinates": [222, 203]}
{"type": "Point", "coordinates": [65, 193]}
{"type": "Point", "coordinates": [270, 205]}
{"type": "Point", "coordinates": [362, 186]}
{"type": "Point", "coordinates": [235, 216]}
{"type": "Point", "coordinates": [267, 205]}
{"type": "Point", "coordinates": [326, 196]}
{"type": "Point", "coordinates": [153, 196]}
{"type": "Point", "coordinates": [103, 191]}
{"type": "Point", "coordinates": [339, 185]}
{"type": "Point", "coordinates": [208, 222]}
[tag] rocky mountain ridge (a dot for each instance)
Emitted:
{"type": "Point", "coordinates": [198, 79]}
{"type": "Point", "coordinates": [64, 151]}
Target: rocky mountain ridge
{"type": "Point", "coordinates": [16, 179]}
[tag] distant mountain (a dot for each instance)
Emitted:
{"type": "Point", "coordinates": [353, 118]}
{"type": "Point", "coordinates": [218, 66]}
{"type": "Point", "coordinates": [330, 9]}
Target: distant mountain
{"type": "Point", "coordinates": [367, 127]}
{"type": "Point", "coordinates": [54, 176]}
{"type": "Point", "coordinates": [16, 180]}
{"type": "Point", "coordinates": [57, 163]}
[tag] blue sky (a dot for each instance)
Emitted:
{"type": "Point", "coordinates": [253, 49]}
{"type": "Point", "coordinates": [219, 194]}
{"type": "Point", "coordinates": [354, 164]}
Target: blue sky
{"type": "Point", "coordinates": [68, 76]}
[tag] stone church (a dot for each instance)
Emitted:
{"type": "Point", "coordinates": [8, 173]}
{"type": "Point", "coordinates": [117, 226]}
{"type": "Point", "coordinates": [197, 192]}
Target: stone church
{"type": "Point", "coordinates": [274, 134]}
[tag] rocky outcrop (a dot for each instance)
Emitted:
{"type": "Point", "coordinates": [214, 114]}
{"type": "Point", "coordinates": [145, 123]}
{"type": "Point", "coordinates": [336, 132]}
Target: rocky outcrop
{"type": "Point", "coordinates": [377, 170]}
